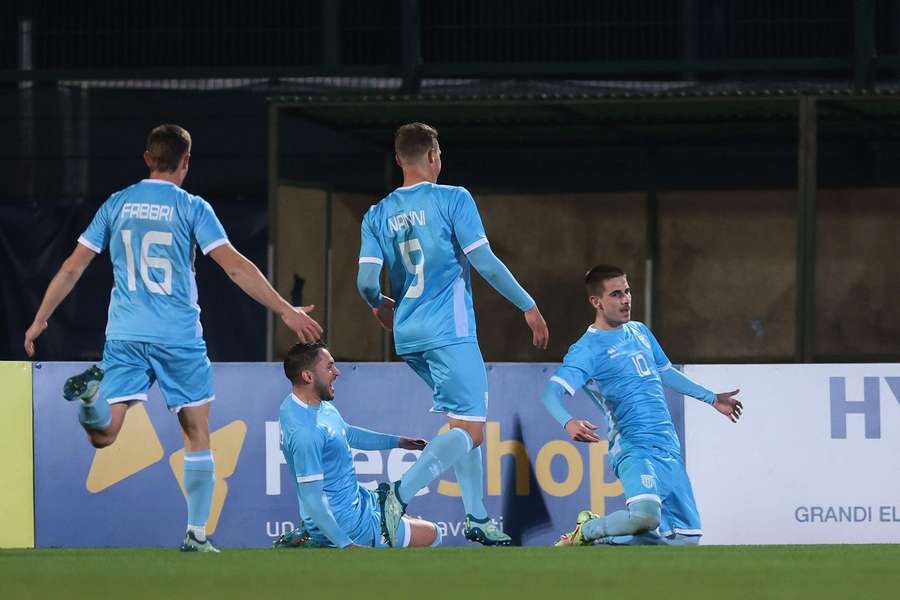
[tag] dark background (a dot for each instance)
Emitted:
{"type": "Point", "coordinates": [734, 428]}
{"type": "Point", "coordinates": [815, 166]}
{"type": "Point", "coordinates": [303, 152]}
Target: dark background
{"type": "Point", "coordinates": [82, 84]}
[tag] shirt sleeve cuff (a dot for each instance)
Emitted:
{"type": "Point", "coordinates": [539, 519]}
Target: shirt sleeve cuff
{"type": "Point", "coordinates": [474, 245]}
{"type": "Point", "coordinates": [564, 383]}
{"type": "Point", "coordinates": [93, 247]}
{"type": "Point", "coordinates": [213, 245]}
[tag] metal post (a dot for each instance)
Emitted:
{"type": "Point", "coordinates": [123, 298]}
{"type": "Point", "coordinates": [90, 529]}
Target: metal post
{"type": "Point", "coordinates": [412, 46]}
{"type": "Point", "coordinates": [806, 229]}
{"type": "Point", "coordinates": [652, 312]}
{"type": "Point", "coordinates": [651, 261]}
{"type": "Point", "coordinates": [331, 32]}
{"type": "Point", "coordinates": [27, 131]}
{"type": "Point", "coordinates": [864, 64]}
{"type": "Point", "coordinates": [273, 168]}
{"type": "Point", "coordinates": [389, 185]}
{"type": "Point", "coordinates": [689, 33]}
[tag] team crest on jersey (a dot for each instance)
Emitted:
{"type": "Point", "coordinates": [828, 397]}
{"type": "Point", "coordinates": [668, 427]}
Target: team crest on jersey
{"type": "Point", "coordinates": [647, 481]}
{"type": "Point", "coordinates": [643, 339]}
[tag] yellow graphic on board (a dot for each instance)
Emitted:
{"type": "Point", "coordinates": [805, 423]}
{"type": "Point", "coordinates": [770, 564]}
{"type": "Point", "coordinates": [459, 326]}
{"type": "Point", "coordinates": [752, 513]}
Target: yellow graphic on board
{"type": "Point", "coordinates": [226, 446]}
{"type": "Point", "coordinates": [137, 447]}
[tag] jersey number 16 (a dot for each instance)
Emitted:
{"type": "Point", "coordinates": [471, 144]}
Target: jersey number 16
{"type": "Point", "coordinates": [159, 238]}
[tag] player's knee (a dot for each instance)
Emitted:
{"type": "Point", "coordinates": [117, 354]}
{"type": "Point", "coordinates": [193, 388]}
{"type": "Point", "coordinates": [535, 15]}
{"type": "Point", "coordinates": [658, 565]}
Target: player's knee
{"type": "Point", "coordinates": [101, 440]}
{"type": "Point", "coordinates": [437, 536]}
{"type": "Point", "coordinates": [644, 516]}
{"type": "Point", "coordinates": [644, 523]}
{"type": "Point", "coordinates": [477, 436]}
{"type": "Point", "coordinates": [688, 540]}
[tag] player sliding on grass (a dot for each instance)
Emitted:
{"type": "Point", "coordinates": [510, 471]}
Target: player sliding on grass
{"type": "Point", "coordinates": [623, 370]}
{"type": "Point", "coordinates": [152, 230]}
{"type": "Point", "coordinates": [335, 510]}
{"type": "Point", "coordinates": [428, 235]}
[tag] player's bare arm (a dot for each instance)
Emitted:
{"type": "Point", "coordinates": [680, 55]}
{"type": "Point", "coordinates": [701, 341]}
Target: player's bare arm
{"type": "Point", "coordinates": [384, 312]}
{"type": "Point", "coordinates": [412, 443]}
{"type": "Point", "coordinates": [581, 430]}
{"type": "Point", "coordinates": [60, 286]}
{"type": "Point", "coordinates": [728, 405]}
{"type": "Point", "coordinates": [249, 278]}
{"type": "Point", "coordinates": [540, 333]}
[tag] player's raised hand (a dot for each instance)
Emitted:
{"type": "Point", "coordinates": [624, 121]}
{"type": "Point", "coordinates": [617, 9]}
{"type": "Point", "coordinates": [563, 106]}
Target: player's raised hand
{"type": "Point", "coordinates": [582, 431]}
{"type": "Point", "coordinates": [729, 406]}
{"type": "Point", "coordinates": [302, 324]}
{"type": "Point", "coordinates": [412, 443]}
{"type": "Point", "coordinates": [36, 329]}
{"type": "Point", "coordinates": [540, 334]}
{"type": "Point", "coordinates": [384, 312]}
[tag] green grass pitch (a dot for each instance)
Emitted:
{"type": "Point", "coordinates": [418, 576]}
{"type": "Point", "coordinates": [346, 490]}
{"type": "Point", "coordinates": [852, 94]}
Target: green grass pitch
{"type": "Point", "coordinates": [847, 572]}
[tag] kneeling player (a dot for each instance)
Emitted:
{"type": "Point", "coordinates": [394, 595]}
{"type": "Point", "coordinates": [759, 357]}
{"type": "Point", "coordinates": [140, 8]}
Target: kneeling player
{"type": "Point", "coordinates": [335, 510]}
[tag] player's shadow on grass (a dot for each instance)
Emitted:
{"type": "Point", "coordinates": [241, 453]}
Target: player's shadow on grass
{"type": "Point", "coordinates": [522, 514]}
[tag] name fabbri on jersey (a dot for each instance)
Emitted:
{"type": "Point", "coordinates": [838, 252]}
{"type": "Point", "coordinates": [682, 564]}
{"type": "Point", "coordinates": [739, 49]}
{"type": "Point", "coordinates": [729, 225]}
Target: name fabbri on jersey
{"type": "Point", "coordinates": [847, 514]}
{"type": "Point", "coordinates": [144, 210]}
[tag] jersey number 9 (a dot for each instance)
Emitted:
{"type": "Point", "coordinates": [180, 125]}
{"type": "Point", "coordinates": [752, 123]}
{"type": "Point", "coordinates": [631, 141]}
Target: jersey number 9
{"type": "Point", "coordinates": [418, 269]}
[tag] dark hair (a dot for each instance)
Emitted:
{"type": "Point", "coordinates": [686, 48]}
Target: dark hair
{"type": "Point", "coordinates": [414, 139]}
{"type": "Point", "coordinates": [299, 358]}
{"type": "Point", "coordinates": [167, 145]}
{"type": "Point", "coordinates": [594, 278]}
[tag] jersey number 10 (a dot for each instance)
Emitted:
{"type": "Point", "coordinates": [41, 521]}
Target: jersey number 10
{"type": "Point", "coordinates": [159, 238]}
{"type": "Point", "coordinates": [640, 363]}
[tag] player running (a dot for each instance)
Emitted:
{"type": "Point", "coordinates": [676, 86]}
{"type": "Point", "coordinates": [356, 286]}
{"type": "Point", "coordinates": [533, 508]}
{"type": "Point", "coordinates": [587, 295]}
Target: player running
{"type": "Point", "coordinates": [335, 510]}
{"type": "Point", "coordinates": [428, 235]}
{"type": "Point", "coordinates": [623, 370]}
{"type": "Point", "coordinates": [153, 333]}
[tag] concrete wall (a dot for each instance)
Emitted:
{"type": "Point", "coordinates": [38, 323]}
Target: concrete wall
{"type": "Point", "coordinates": [726, 274]}
{"type": "Point", "coordinates": [858, 272]}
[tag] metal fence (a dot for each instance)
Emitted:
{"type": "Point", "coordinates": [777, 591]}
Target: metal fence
{"type": "Point", "coordinates": [725, 39]}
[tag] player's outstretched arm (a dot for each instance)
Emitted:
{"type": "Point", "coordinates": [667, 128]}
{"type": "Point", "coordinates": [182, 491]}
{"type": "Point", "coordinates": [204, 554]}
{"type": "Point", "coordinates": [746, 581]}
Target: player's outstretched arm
{"type": "Point", "coordinates": [725, 403]}
{"type": "Point", "coordinates": [60, 286]}
{"type": "Point", "coordinates": [366, 439]}
{"type": "Point", "coordinates": [499, 277]}
{"type": "Point", "coordinates": [369, 287]}
{"type": "Point", "coordinates": [247, 277]}
{"type": "Point", "coordinates": [676, 380]}
{"type": "Point", "coordinates": [311, 494]}
{"type": "Point", "coordinates": [578, 429]}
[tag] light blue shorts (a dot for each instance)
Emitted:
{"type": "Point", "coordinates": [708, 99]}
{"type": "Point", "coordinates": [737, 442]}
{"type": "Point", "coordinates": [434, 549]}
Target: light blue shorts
{"type": "Point", "coordinates": [457, 377]}
{"type": "Point", "coordinates": [184, 373]}
{"type": "Point", "coordinates": [660, 477]}
{"type": "Point", "coordinates": [367, 532]}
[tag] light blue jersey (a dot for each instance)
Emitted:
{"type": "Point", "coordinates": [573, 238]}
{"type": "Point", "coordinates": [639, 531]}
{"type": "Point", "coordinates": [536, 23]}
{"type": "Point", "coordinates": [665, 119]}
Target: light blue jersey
{"type": "Point", "coordinates": [315, 447]}
{"type": "Point", "coordinates": [620, 370]}
{"type": "Point", "coordinates": [152, 229]}
{"type": "Point", "coordinates": [423, 233]}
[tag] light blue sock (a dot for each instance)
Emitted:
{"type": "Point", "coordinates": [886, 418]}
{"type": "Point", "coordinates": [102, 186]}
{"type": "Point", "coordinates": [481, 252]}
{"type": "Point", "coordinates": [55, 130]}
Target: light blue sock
{"type": "Point", "coordinates": [640, 517]}
{"type": "Point", "coordinates": [439, 455]}
{"type": "Point", "coordinates": [640, 539]}
{"type": "Point", "coordinates": [199, 480]}
{"type": "Point", "coordinates": [470, 474]}
{"type": "Point", "coordinates": [95, 415]}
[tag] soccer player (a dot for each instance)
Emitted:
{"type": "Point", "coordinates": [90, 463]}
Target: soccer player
{"type": "Point", "coordinates": [428, 235]}
{"type": "Point", "coordinates": [623, 370]}
{"type": "Point", "coordinates": [335, 510]}
{"type": "Point", "coordinates": [153, 333]}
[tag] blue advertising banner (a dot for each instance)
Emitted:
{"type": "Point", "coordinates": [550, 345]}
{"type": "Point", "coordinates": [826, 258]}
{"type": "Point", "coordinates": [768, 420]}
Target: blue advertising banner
{"type": "Point", "coordinates": [130, 494]}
